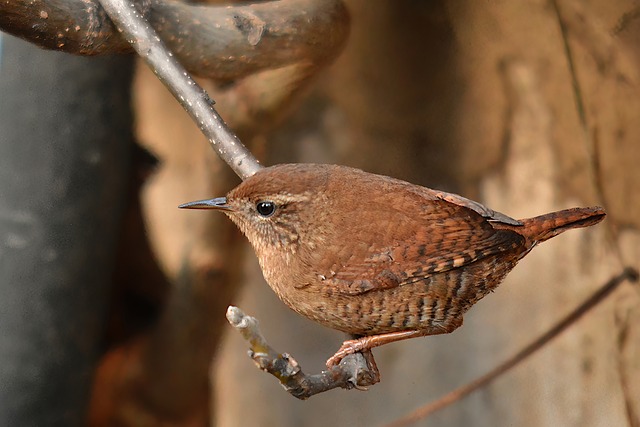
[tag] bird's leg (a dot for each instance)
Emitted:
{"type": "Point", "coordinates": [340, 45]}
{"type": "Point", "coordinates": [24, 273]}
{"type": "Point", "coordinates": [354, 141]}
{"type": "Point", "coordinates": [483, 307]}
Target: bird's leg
{"type": "Point", "coordinates": [371, 341]}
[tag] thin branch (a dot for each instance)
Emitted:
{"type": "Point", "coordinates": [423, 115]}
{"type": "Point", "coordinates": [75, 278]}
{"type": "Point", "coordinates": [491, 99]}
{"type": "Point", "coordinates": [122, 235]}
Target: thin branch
{"type": "Point", "coordinates": [575, 83]}
{"type": "Point", "coordinates": [191, 96]}
{"type": "Point", "coordinates": [628, 273]}
{"type": "Point", "coordinates": [354, 371]}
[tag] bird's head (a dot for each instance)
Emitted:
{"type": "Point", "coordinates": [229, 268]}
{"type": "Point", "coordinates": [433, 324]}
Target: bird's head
{"type": "Point", "coordinates": [278, 208]}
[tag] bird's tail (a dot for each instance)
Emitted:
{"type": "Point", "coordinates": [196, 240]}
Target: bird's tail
{"type": "Point", "coordinates": [544, 227]}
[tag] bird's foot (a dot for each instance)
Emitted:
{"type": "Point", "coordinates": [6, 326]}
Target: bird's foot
{"type": "Point", "coordinates": [348, 347]}
{"type": "Point", "coordinates": [369, 342]}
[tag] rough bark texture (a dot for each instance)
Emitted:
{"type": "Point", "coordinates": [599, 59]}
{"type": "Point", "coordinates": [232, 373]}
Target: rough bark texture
{"type": "Point", "coordinates": [528, 107]}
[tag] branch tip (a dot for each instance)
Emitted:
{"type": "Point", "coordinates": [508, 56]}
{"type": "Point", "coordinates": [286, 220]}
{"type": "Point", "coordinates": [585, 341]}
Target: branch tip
{"type": "Point", "coordinates": [235, 316]}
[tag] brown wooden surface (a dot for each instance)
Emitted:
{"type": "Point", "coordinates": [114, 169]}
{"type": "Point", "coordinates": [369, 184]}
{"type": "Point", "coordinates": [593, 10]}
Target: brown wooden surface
{"type": "Point", "coordinates": [478, 99]}
{"type": "Point", "coordinates": [222, 42]}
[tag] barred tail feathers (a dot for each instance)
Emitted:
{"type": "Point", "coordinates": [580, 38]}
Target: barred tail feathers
{"type": "Point", "coordinates": [544, 227]}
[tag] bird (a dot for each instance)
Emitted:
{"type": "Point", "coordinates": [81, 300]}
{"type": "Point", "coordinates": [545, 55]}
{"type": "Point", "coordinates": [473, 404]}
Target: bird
{"type": "Point", "coordinates": [376, 257]}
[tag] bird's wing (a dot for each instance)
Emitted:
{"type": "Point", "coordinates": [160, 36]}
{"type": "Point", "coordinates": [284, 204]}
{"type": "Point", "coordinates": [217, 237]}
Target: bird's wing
{"type": "Point", "coordinates": [484, 211]}
{"type": "Point", "coordinates": [435, 236]}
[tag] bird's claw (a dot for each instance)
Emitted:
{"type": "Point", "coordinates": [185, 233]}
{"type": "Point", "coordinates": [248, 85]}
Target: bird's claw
{"type": "Point", "coordinates": [347, 348]}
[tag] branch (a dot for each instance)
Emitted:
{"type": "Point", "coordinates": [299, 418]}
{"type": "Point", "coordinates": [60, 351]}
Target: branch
{"type": "Point", "coordinates": [270, 50]}
{"type": "Point", "coordinates": [221, 42]}
{"type": "Point", "coordinates": [354, 371]}
{"type": "Point", "coordinates": [191, 96]}
{"type": "Point", "coordinates": [628, 273]}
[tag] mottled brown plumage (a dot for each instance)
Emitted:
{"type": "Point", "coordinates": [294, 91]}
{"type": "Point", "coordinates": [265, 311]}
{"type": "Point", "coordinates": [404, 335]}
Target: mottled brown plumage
{"type": "Point", "coordinates": [377, 257]}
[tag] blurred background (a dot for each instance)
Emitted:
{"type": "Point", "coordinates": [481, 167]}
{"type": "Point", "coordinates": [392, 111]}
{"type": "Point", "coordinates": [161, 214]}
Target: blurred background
{"type": "Point", "coordinates": [112, 301]}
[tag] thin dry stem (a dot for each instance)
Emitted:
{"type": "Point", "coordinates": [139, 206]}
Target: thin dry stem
{"type": "Point", "coordinates": [600, 295]}
{"type": "Point", "coordinates": [193, 98]}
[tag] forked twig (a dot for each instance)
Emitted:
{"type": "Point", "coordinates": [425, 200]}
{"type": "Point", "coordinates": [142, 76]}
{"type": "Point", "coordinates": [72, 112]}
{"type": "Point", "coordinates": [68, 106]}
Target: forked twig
{"type": "Point", "coordinates": [422, 412]}
{"type": "Point", "coordinates": [354, 371]}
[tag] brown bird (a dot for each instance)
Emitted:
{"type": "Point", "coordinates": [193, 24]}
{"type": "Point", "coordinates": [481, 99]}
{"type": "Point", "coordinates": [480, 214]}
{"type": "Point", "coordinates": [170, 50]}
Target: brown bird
{"type": "Point", "coordinates": [376, 257]}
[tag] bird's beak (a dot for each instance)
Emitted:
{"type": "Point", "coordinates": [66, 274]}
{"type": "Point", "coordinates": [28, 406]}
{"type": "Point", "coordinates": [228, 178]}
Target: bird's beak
{"type": "Point", "coordinates": [219, 203]}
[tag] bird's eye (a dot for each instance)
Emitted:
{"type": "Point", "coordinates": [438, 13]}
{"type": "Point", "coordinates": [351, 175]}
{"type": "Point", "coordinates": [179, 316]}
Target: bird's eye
{"type": "Point", "coordinates": [266, 208]}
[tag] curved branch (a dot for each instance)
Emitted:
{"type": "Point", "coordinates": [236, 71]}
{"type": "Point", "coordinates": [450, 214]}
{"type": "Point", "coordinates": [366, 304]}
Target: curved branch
{"type": "Point", "coordinates": [221, 42]}
{"type": "Point", "coordinates": [354, 371]}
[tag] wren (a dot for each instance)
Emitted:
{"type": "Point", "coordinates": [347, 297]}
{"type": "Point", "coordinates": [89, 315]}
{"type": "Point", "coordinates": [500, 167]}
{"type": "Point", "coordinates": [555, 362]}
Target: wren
{"type": "Point", "coordinates": [376, 257]}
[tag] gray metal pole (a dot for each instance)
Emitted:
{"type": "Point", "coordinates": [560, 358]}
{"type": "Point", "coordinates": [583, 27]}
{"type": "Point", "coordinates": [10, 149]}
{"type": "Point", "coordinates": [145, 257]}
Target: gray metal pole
{"type": "Point", "coordinates": [65, 139]}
